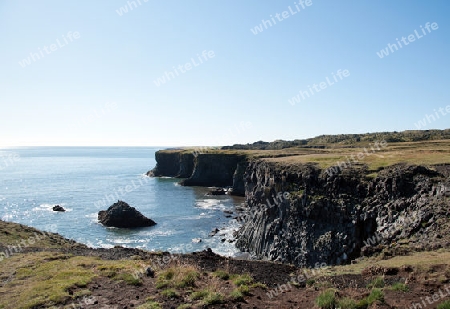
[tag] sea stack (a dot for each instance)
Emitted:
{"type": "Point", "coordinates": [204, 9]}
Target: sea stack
{"type": "Point", "coordinates": [122, 215]}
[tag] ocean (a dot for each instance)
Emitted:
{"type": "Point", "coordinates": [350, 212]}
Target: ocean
{"type": "Point", "coordinates": [85, 180]}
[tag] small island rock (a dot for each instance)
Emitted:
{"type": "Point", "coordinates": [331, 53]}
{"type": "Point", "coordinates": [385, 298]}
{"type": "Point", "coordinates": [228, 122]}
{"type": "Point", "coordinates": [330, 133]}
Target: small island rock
{"type": "Point", "coordinates": [122, 215]}
{"type": "Point", "coordinates": [217, 191]}
{"type": "Point", "coordinates": [58, 208]}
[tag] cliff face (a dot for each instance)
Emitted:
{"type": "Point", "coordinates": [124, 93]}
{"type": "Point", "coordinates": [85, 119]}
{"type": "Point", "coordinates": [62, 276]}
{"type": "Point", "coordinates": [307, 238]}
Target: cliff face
{"type": "Point", "coordinates": [302, 215]}
{"type": "Point", "coordinates": [173, 164]}
{"type": "Point", "coordinates": [213, 170]}
{"type": "Point", "coordinates": [220, 170]}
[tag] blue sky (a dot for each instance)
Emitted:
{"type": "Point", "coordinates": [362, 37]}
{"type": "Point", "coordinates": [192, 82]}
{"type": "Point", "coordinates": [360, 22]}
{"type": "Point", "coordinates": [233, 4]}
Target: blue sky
{"type": "Point", "coordinates": [96, 86]}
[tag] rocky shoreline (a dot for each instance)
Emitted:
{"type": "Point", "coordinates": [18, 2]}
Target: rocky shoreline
{"type": "Point", "coordinates": [300, 214]}
{"type": "Point", "coordinates": [384, 221]}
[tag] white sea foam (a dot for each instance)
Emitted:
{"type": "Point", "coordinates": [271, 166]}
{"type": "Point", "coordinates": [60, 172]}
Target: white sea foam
{"type": "Point", "coordinates": [122, 240]}
{"type": "Point", "coordinates": [49, 207]}
{"type": "Point", "coordinates": [199, 217]}
{"type": "Point", "coordinates": [100, 244]}
{"type": "Point", "coordinates": [226, 232]}
{"type": "Point", "coordinates": [156, 232]}
{"type": "Point", "coordinates": [7, 217]}
{"type": "Point", "coordinates": [210, 204]}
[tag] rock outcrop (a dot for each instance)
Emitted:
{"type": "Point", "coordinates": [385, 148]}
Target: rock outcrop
{"type": "Point", "coordinates": [217, 191]}
{"type": "Point", "coordinates": [122, 215]}
{"type": "Point", "coordinates": [173, 163]}
{"type": "Point", "coordinates": [304, 215]}
{"type": "Point", "coordinates": [58, 208]}
{"type": "Point", "coordinates": [301, 215]}
{"type": "Point", "coordinates": [216, 170]}
{"type": "Point", "coordinates": [202, 169]}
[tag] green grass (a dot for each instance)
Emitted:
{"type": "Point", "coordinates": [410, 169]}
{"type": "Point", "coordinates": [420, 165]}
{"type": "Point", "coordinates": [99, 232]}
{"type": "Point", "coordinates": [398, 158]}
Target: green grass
{"type": "Point", "coordinates": [184, 306]}
{"type": "Point", "coordinates": [221, 274]}
{"type": "Point", "coordinates": [244, 289]}
{"type": "Point", "coordinates": [326, 299]}
{"type": "Point", "coordinates": [208, 297]}
{"type": "Point", "coordinates": [242, 280]}
{"type": "Point", "coordinates": [179, 277]}
{"type": "Point", "coordinates": [375, 295]}
{"type": "Point", "coordinates": [170, 293]}
{"type": "Point", "coordinates": [444, 305]}
{"type": "Point", "coordinates": [401, 287]}
{"type": "Point", "coordinates": [162, 284]}
{"type": "Point", "coordinates": [199, 295]}
{"type": "Point", "coordinates": [346, 303]}
{"type": "Point", "coordinates": [378, 282]}
{"type": "Point", "coordinates": [43, 279]}
{"type": "Point", "coordinates": [150, 305]}
{"type": "Point", "coordinates": [310, 282]}
{"type": "Point", "coordinates": [168, 274]}
{"type": "Point", "coordinates": [258, 285]}
{"type": "Point", "coordinates": [82, 293]}
{"type": "Point", "coordinates": [236, 296]}
{"type": "Point", "coordinates": [13, 234]}
{"type": "Point", "coordinates": [187, 279]}
{"type": "Point", "coordinates": [213, 298]}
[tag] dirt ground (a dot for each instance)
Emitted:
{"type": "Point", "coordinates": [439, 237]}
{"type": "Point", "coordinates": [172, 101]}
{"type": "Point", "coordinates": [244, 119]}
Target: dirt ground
{"type": "Point", "coordinates": [274, 285]}
{"type": "Point", "coordinates": [292, 294]}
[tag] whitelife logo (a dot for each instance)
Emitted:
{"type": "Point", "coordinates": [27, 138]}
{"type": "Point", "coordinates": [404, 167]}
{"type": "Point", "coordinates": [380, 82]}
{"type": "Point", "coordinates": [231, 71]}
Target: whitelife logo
{"type": "Point", "coordinates": [407, 40]}
{"type": "Point", "coordinates": [183, 68]}
{"type": "Point", "coordinates": [71, 36]}
{"type": "Point", "coordinates": [266, 24]}
{"type": "Point", "coordinates": [316, 88]}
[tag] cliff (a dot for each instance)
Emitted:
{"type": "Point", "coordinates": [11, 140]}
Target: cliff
{"type": "Point", "coordinates": [301, 215]}
{"type": "Point", "coordinates": [173, 163]}
{"type": "Point", "coordinates": [299, 211]}
{"type": "Point", "coordinates": [204, 169]}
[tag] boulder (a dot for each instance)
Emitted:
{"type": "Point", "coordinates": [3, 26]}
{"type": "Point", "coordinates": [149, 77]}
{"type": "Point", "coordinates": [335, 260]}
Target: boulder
{"type": "Point", "coordinates": [122, 215]}
{"type": "Point", "coordinates": [58, 208]}
{"type": "Point", "coordinates": [217, 191]}
{"type": "Point", "coordinates": [214, 232]}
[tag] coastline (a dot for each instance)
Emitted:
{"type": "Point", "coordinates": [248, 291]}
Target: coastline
{"type": "Point", "coordinates": [328, 217]}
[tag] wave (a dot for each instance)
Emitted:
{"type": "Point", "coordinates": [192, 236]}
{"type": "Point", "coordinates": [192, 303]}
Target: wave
{"type": "Point", "coordinates": [49, 207]}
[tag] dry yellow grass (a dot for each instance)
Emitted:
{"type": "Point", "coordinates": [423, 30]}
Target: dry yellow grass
{"type": "Point", "coordinates": [419, 260]}
{"type": "Point", "coordinates": [420, 153]}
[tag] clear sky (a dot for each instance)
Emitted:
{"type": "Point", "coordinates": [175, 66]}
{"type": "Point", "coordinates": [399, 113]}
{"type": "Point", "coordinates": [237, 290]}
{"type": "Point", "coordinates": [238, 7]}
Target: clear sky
{"type": "Point", "coordinates": [79, 72]}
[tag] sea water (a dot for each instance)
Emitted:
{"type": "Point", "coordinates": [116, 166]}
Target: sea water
{"type": "Point", "coordinates": [85, 180]}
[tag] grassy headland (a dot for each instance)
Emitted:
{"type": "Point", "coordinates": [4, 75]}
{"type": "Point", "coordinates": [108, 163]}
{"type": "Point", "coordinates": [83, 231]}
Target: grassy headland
{"type": "Point", "coordinates": [58, 273]}
{"type": "Point", "coordinates": [45, 270]}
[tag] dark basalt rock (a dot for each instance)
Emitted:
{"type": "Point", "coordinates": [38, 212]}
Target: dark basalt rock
{"type": "Point", "coordinates": [122, 215]}
{"type": "Point", "coordinates": [334, 219]}
{"type": "Point", "coordinates": [173, 164]}
{"type": "Point", "coordinates": [214, 232]}
{"type": "Point", "coordinates": [217, 191]}
{"type": "Point", "coordinates": [304, 215]}
{"type": "Point", "coordinates": [149, 272]}
{"type": "Point", "coordinates": [58, 208]}
{"type": "Point", "coordinates": [202, 169]}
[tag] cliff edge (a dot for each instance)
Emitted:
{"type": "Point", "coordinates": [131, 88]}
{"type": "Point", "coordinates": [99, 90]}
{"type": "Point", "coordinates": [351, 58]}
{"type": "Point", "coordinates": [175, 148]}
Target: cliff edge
{"type": "Point", "coordinates": [218, 169]}
{"type": "Point", "coordinates": [299, 214]}
{"type": "Point", "coordinates": [332, 203]}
